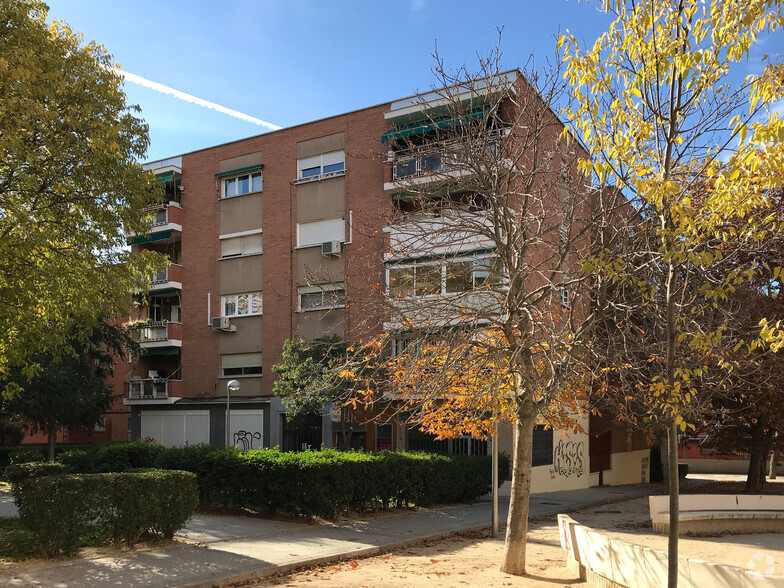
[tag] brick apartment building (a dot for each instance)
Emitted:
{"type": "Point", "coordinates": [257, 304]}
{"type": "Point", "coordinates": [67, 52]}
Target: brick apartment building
{"type": "Point", "coordinates": [268, 238]}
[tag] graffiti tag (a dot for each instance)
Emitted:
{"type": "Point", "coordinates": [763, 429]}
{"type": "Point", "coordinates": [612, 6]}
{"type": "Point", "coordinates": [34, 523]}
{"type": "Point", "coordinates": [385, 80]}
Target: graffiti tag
{"type": "Point", "coordinates": [569, 458]}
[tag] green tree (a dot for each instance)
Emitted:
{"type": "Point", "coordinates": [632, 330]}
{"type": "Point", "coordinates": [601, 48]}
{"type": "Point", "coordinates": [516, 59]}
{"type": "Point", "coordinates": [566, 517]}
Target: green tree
{"type": "Point", "coordinates": [308, 378]}
{"type": "Point", "coordinates": [71, 390]}
{"type": "Point", "coordinates": [69, 184]}
{"type": "Point", "coordinates": [669, 115]}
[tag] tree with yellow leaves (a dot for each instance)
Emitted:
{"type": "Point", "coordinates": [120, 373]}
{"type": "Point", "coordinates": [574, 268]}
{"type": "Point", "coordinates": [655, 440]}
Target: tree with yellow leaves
{"type": "Point", "coordinates": [664, 108]}
{"type": "Point", "coordinates": [70, 182]}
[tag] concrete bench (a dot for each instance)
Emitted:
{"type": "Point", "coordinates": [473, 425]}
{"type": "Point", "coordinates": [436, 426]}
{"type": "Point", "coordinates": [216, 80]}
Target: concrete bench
{"type": "Point", "coordinates": [705, 514]}
{"type": "Point", "coordinates": [604, 561]}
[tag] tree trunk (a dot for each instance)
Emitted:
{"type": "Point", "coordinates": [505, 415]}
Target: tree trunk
{"type": "Point", "coordinates": [758, 449]}
{"type": "Point", "coordinates": [755, 479]}
{"type": "Point", "coordinates": [772, 468]}
{"type": "Point", "coordinates": [665, 460]}
{"type": "Point", "coordinates": [52, 440]}
{"type": "Point", "coordinates": [517, 521]}
{"type": "Point", "coordinates": [672, 469]}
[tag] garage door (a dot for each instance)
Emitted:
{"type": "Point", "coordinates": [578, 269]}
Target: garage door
{"type": "Point", "coordinates": [176, 428]}
{"type": "Point", "coordinates": [247, 431]}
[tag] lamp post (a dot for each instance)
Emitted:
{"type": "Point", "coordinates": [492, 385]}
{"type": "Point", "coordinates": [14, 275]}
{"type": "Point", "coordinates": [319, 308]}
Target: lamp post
{"type": "Point", "coordinates": [232, 386]}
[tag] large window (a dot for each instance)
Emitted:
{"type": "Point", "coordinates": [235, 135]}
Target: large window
{"type": "Point", "coordinates": [322, 297]}
{"type": "Point", "coordinates": [241, 245]}
{"type": "Point", "coordinates": [318, 232]}
{"type": "Point", "coordinates": [241, 304]}
{"type": "Point", "coordinates": [241, 364]}
{"type": "Point", "coordinates": [242, 184]}
{"type": "Point", "coordinates": [542, 446]}
{"type": "Point", "coordinates": [444, 276]}
{"type": "Point", "coordinates": [321, 166]}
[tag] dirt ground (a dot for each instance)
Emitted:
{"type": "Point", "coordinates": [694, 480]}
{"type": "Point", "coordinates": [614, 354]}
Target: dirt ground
{"type": "Point", "coordinates": [474, 558]}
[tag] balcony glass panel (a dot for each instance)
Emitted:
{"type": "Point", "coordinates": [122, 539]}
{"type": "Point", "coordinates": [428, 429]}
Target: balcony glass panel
{"type": "Point", "coordinates": [428, 280]}
{"type": "Point", "coordinates": [401, 282]}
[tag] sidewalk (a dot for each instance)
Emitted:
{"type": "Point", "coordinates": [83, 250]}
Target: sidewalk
{"type": "Point", "coordinates": [235, 548]}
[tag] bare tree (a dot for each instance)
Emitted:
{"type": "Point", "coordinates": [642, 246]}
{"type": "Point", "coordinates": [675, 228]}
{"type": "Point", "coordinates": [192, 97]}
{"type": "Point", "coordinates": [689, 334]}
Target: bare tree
{"type": "Point", "coordinates": [487, 308]}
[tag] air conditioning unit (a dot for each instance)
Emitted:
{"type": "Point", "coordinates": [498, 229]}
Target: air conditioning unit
{"type": "Point", "coordinates": [221, 323]}
{"type": "Point", "coordinates": [331, 248]}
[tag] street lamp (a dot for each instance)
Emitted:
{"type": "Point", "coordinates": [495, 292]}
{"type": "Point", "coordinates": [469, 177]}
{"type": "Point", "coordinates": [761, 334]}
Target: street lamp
{"type": "Point", "coordinates": [232, 386]}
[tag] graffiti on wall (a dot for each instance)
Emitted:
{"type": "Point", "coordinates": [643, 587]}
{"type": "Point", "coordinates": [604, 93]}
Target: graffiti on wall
{"type": "Point", "coordinates": [569, 458]}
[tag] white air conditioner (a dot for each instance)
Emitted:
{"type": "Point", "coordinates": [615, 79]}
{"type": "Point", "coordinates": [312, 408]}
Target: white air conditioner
{"type": "Point", "coordinates": [330, 248]}
{"type": "Point", "coordinates": [221, 323]}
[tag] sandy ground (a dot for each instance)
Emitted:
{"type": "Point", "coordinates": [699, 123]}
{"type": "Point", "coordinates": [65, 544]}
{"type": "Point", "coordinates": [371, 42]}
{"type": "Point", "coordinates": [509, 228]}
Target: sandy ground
{"type": "Point", "coordinates": [474, 559]}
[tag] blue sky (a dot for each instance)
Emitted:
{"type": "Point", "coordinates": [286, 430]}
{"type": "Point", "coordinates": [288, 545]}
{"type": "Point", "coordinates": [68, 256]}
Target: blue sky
{"type": "Point", "coordinates": [289, 62]}
{"type": "Point", "coordinates": [301, 60]}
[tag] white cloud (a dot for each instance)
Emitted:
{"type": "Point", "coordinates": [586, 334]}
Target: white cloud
{"type": "Point", "coordinates": [193, 99]}
{"type": "Point", "coordinates": [418, 5]}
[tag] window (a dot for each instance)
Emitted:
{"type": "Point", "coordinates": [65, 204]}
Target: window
{"type": "Point", "coordinates": [320, 166]}
{"type": "Point", "coordinates": [384, 437]}
{"type": "Point", "coordinates": [241, 304]}
{"type": "Point", "coordinates": [564, 295]}
{"type": "Point", "coordinates": [542, 446]}
{"type": "Point", "coordinates": [318, 232]}
{"type": "Point", "coordinates": [242, 184]}
{"type": "Point", "coordinates": [241, 364]}
{"type": "Point", "coordinates": [241, 245]}
{"type": "Point", "coordinates": [322, 299]}
{"type": "Point", "coordinates": [444, 277]}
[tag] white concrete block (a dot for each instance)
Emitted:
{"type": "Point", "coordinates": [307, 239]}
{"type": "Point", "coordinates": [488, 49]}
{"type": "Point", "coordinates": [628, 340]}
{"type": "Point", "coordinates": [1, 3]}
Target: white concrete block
{"type": "Point", "coordinates": [707, 574]}
{"type": "Point", "coordinates": [626, 559]}
{"type": "Point", "coordinates": [597, 554]}
{"type": "Point", "coordinates": [760, 580]}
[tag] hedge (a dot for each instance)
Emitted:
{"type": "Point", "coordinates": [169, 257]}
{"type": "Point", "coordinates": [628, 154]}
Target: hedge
{"type": "Point", "coordinates": [311, 483]}
{"type": "Point", "coordinates": [62, 509]}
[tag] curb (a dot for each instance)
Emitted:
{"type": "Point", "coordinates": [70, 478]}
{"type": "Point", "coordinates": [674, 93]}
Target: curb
{"type": "Point", "coordinates": [261, 573]}
{"type": "Point", "coordinates": [265, 572]}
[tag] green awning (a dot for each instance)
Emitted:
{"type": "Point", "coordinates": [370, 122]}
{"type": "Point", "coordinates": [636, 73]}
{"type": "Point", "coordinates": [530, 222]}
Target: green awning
{"type": "Point", "coordinates": [167, 177]}
{"type": "Point", "coordinates": [149, 238]}
{"type": "Point", "coordinates": [161, 351]}
{"type": "Point", "coordinates": [234, 172]}
{"type": "Point", "coordinates": [424, 126]}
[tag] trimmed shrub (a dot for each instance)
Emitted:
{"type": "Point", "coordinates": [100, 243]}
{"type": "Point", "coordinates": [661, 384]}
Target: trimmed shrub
{"type": "Point", "coordinates": [62, 509]}
{"type": "Point", "coordinates": [113, 457]}
{"type": "Point", "coordinates": [311, 483]}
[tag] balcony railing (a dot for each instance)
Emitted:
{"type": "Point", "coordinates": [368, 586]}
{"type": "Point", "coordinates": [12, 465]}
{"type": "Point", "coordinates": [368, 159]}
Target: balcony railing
{"type": "Point", "coordinates": [157, 333]}
{"type": "Point", "coordinates": [169, 277]}
{"type": "Point", "coordinates": [153, 388]}
{"type": "Point", "coordinates": [435, 159]}
{"type": "Point", "coordinates": [162, 215]}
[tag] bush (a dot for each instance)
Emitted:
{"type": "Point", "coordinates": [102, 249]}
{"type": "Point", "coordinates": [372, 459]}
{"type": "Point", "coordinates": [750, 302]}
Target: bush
{"type": "Point", "coordinates": [62, 509]}
{"type": "Point", "coordinates": [311, 483]}
{"type": "Point", "coordinates": [112, 457]}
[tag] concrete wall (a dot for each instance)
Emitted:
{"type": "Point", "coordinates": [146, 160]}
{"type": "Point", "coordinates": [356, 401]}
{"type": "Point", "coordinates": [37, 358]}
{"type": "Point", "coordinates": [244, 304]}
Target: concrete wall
{"type": "Point", "coordinates": [626, 468]}
{"type": "Point", "coordinates": [613, 562]}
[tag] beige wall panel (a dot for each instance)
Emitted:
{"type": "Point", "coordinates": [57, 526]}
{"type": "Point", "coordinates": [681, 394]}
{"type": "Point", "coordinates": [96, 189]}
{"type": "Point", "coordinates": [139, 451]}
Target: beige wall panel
{"type": "Point", "coordinates": [324, 323]}
{"type": "Point", "coordinates": [248, 387]}
{"type": "Point", "coordinates": [240, 213]}
{"type": "Point", "coordinates": [326, 144]}
{"type": "Point", "coordinates": [321, 199]}
{"type": "Point", "coordinates": [241, 161]}
{"type": "Point", "coordinates": [315, 268]}
{"type": "Point", "coordinates": [241, 274]}
{"type": "Point", "coordinates": [246, 339]}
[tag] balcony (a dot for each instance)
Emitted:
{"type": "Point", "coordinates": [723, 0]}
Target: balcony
{"type": "Point", "coordinates": [446, 233]}
{"type": "Point", "coordinates": [170, 278]}
{"type": "Point", "coordinates": [165, 222]}
{"type": "Point", "coordinates": [154, 389]}
{"type": "Point", "coordinates": [435, 162]}
{"type": "Point", "coordinates": [157, 335]}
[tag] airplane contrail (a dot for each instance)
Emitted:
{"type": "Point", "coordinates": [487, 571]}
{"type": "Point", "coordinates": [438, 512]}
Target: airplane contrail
{"type": "Point", "coordinates": [193, 99]}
